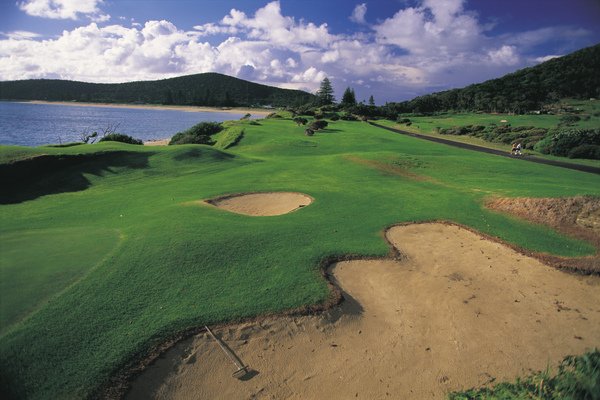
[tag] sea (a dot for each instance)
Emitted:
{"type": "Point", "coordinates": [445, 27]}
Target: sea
{"type": "Point", "coordinates": [31, 124]}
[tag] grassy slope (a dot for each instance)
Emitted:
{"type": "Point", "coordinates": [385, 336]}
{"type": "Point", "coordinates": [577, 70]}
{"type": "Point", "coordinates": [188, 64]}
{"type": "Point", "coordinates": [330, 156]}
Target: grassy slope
{"type": "Point", "coordinates": [181, 265]}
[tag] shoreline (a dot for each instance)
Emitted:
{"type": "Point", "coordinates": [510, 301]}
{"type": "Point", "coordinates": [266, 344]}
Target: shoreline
{"type": "Point", "coordinates": [232, 110]}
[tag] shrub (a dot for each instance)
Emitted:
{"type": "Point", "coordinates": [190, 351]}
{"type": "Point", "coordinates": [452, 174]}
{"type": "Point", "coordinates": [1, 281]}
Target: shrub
{"type": "Point", "coordinates": [590, 151]}
{"type": "Point", "coordinates": [273, 115]}
{"type": "Point", "coordinates": [348, 117]}
{"type": "Point", "coordinates": [247, 116]}
{"type": "Point", "coordinates": [119, 137]}
{"type": "Point", "coordinates": [205, 128]}
{"type": "Point", "coordinates": [300, 121]}
{"type": "Point", "coordinates": [197, 134]}
{"type": "Point", "coordinates": [319, 116]}
{"type": "Point", "coordinates": [569, 119]}
{"type": "Point", "coordinates": [186, 138]}
{"type": "Point", "coordinates": [578, 377]}
{"type": "Point", "coordinates": [561, 142]}
{"type": "Point", "coordinates": [318, 124]}
{"type": "Point", "coordinates": [334, 117]}
{"type": "Point", "coordinates": [309, 132]}
{"type": "Point", "coordinates": [403, 120]}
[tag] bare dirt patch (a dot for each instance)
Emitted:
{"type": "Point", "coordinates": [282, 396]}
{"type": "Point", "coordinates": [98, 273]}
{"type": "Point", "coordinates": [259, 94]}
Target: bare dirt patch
{"type": "Point", "coordinates": [262, 204]}
{"type": "Point", "coordinates": [458, 311]}
{"type": "Point", "coordinates": [574, 216]}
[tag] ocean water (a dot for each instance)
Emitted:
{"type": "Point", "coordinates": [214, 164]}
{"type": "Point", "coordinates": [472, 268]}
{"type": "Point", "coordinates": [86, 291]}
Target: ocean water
{"type": "Point", "coordinates": [27, 124]}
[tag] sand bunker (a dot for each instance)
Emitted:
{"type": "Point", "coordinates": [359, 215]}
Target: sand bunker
{"type": "Point", "coordinates": [578, 217]}
{"type": "Point", "coordinates": [461, 311]}
{"type": "Point", "coordinates": [262, 204]}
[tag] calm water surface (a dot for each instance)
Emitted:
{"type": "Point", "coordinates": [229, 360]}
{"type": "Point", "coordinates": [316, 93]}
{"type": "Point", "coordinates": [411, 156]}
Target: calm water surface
{"type": "Point", "coordinates": [29, 124]}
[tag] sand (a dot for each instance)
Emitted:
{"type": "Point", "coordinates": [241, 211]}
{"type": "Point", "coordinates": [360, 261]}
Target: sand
{"type": "Point", "coordinates": [262, 204]}
{"type": "Point", "coordinates": [158, 142]}
{"type": "Point", "coordinates": [233, 110]}
{"type": "Point", "coordinates": [460, 311]}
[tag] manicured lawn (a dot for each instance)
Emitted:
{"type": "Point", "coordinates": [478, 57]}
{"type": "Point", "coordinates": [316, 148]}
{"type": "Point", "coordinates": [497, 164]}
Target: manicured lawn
{"type": "Point", "coordinates": [146, 264]}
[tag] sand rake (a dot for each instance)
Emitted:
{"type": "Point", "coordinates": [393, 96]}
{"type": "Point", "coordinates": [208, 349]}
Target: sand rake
{"type": "Point", "coordinates": [242, 369]}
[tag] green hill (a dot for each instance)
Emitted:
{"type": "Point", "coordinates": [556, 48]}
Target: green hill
{"type": "Point", "coordinates": [572, 76]}
{"type": "Point", "coordinates": [208, 89]}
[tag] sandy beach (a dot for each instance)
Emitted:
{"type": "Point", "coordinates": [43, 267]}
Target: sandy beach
{"type": "Point", "coordinates": [233, 110]}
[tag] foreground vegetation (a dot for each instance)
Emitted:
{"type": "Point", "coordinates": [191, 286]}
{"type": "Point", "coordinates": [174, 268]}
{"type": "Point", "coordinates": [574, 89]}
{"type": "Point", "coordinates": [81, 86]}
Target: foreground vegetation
{"type": "Point", "coordinates": [577, 378]}
{"type": "Point", "coordinates": [151, 262]}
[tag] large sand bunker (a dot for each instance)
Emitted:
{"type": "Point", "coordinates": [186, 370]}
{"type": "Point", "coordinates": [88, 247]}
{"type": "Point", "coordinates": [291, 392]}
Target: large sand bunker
{"type": "Point", "coordinates": [460, 311]}
{"type": "Point", "coordinates": [574, 216]}
{"type": "Point", "coordinates": [262, 204]}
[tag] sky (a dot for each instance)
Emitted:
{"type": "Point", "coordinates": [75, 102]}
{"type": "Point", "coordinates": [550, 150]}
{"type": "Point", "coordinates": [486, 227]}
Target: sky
{"type": "Point", "coordinates": [391, 49]}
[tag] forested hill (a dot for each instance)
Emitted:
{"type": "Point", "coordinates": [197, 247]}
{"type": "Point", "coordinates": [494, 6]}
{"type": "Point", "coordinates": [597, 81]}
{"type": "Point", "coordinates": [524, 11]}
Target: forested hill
{"type": "Point", "coordinates": [576, 75]}
{"type": "Point", "coordinates": [208, 89]}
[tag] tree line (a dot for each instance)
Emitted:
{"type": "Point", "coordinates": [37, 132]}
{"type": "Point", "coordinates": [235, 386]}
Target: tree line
{"type": "Point", "coordinates": [208, 89]}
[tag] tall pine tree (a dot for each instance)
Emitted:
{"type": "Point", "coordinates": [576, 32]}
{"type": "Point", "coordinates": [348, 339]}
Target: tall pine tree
{"type": "Point", "coordinates": [349, 98]}
{"type": "Point", "coordinates": [325, 93]}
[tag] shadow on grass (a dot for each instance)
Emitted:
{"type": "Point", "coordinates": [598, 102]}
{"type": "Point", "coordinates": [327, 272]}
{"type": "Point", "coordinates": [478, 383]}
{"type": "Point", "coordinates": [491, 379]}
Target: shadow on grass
{"type": "Point", "coordinates": [38, 176]}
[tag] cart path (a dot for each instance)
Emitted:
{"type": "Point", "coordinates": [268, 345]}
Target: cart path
{"type": "Point", "coordinates": [562, 164]}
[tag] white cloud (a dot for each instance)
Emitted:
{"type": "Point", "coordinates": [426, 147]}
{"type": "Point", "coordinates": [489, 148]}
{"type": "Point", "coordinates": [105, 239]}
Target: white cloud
{"type": "Point", "coordinates": [505, 55]}
{"type": "Point", "coordinates": [358, 15]}
{"type": "Point", "coordinates": [64, 9]}
{"type": "Point", "coordinates": [546, 58]}
{"type": "Point", "coordinates": [433, 45]}
{"type": "Point", "coordinates": [438, 26]}
{"type": "Point", "coordinates": [18, 35]}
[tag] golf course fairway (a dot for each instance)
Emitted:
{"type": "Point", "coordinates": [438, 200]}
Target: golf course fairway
{"type": "Point", "coordinates": [151, 265]}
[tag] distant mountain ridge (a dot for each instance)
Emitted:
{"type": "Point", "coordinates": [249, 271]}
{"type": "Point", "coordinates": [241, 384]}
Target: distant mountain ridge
{"type": "Point", "coordinates": [206, 89]}
{"type": "Point", "coordinates": [576, 75]}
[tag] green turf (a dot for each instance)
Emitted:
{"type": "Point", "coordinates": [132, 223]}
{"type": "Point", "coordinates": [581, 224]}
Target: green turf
{"type": "Point", "coordinates": [55, 258]}
{"type": "Point", "coordinates": [179, 264]}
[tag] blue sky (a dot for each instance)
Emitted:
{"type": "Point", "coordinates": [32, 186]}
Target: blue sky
{"type": "Point", "coordinates": [391, 49]}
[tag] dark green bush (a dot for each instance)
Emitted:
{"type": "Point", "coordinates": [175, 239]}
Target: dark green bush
{"type": "Point", "coordinates": [334, 117]}
{"type": "Point", "coordinates": [560, 142]}
{"type": "Point", "coordinates": [569, 119]}
{"type": "Point", "coordinates": [348, 117]}
{"type": "Point", "coordinates": [403, 120]}
{"type": "Point", "coordinates": [187, 138]}
{"type": "Point", "coordinates": [590, 151]}
{"type": "Point", "coordinates": [119, 137]}
{"type": "Point", "coordinates": [197, 134]}
{"type": "Point", "coordinates": [318, 124]}
{"type": "Point", "coordinates": [300, 121]}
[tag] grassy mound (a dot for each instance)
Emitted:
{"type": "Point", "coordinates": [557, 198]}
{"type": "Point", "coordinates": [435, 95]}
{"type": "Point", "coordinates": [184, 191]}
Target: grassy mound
{"type": "Point", "coordinates": [179, 266]}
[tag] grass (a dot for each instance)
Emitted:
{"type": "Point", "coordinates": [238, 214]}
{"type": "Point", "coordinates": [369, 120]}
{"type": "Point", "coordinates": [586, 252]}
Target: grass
{"type": "Point", "coordinates": [577, 378]}
{"type": "Point", "coordinates": [589, 111]}
{"type": "Point", "coordinates": [167, 266]}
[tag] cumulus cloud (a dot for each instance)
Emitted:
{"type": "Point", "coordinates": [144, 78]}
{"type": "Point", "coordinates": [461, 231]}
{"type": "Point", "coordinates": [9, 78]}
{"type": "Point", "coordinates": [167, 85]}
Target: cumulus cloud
{"type": "Point", "coordinates": [432, 45]}
{"type": "Point", "coordinates": [358, 15]}
{"type": "Point", "coordinates": [64, 9]}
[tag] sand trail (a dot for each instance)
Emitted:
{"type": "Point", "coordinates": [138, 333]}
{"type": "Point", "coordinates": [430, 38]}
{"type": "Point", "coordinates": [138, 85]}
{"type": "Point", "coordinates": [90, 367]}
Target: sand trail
{"type": "Point", "coordinates": [262, 204]}
{"type": "Point", "coordinates": [461, 311]}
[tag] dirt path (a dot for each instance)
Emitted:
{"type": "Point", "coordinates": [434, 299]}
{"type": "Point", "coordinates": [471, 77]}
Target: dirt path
{"type": "Point", "coordinates": [562, 164]}
{"type": "Point", "coordinates": [461, 311]}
